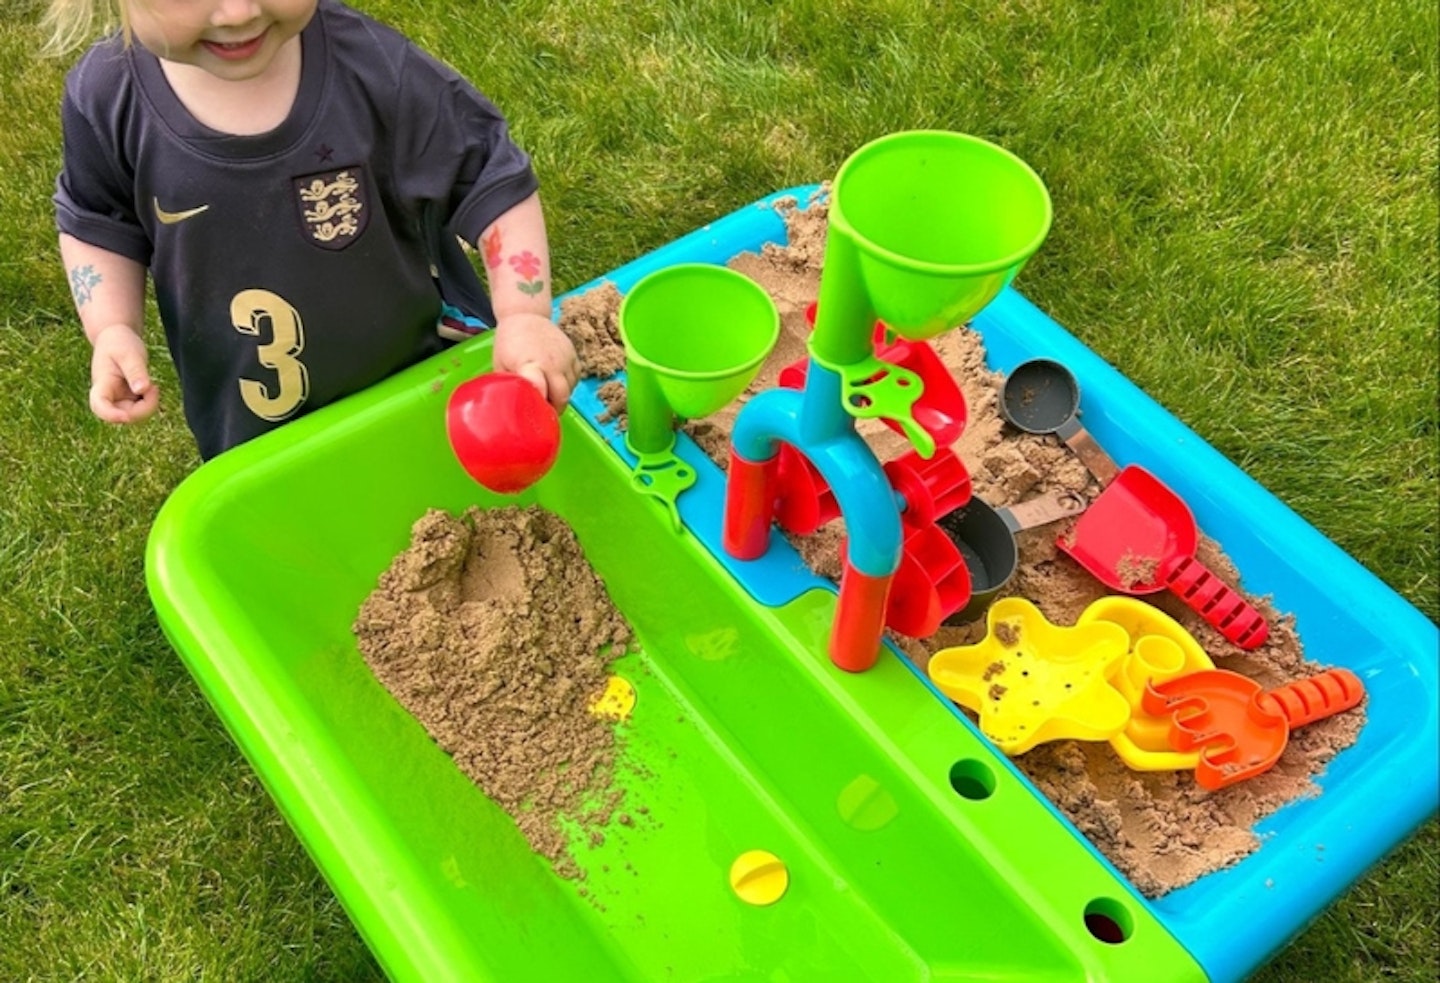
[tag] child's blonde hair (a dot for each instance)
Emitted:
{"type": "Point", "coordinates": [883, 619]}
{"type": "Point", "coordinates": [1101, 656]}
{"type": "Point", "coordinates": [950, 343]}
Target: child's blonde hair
{"type": "Point", "coordinates": [69, 24]}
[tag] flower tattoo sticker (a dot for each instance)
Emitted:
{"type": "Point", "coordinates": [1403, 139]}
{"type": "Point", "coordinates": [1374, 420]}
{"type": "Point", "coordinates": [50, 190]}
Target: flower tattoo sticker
{"type": "Point", "coordinates": [527, 265]}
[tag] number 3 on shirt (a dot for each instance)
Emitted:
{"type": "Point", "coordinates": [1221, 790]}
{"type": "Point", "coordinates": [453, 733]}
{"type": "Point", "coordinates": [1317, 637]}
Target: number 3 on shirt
{"type": "Point", "coordinates": [249, 311]}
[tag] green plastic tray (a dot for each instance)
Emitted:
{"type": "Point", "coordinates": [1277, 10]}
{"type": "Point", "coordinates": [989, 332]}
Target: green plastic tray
{"type": "Point", "coordinates": [913, 851]}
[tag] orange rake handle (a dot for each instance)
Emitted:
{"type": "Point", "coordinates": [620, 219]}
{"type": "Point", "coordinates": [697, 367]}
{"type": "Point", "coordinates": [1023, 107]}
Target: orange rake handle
{"type": "Point", "coordinates": [1307, 700]}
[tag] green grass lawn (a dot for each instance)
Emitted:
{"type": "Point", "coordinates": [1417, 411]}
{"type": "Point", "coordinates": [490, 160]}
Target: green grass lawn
{"type": "Point", "coordinates": [1245, 224]}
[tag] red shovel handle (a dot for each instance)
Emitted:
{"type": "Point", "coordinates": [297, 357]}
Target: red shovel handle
{"type": "Point", "coordinates": [1214, 601]}
{"type": "Point", "coordinates": [1307, 700]}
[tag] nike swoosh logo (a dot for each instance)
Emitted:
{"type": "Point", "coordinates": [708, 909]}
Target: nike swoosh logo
{"type": "Point", "coordinates": [170, 218]}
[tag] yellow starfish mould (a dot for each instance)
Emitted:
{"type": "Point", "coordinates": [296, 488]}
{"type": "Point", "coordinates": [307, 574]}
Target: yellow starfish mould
{"type": "Point", "coordinates": [1033, 682]}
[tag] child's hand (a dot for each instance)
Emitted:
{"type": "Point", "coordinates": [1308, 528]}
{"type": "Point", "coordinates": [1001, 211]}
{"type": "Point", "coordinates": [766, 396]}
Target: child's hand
{"type": "Point", "coordinates": [120, 386]}
{"type": "Point", "coordinates": [532, 347]}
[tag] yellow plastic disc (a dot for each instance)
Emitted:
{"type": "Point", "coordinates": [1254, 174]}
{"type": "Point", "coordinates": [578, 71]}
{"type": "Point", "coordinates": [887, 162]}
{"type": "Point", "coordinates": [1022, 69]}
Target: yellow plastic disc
{"type": "Point", "coordinates": [759, 877]}
{"type": "Point", "coordinates": [617, 701]}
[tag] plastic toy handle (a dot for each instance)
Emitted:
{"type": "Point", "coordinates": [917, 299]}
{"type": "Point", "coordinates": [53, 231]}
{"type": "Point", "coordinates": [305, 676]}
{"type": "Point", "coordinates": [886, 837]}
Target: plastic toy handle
{"type": "Point", "coordinates": [663, 476]}
{"type": "Point", "coordinates": [1307, 700]}
{"type": "Point", "coordinates": [1041, 510]}
{"type": "Point", "coordinates": [1217, 603]}
{"type": "Point", "coordinates": [1091, 454]}
{"type": "Point", "coordinates": [873, 387]}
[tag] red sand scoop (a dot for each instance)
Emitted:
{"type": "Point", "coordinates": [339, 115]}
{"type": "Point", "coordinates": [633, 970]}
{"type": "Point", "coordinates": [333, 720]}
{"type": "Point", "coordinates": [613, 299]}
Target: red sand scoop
{"type": "Point", "coordinates": [1239, 728]}
{"type": "Point", "coordinates": [502, 431]}
{"type": "Point", "coordinates": [1139, 537]}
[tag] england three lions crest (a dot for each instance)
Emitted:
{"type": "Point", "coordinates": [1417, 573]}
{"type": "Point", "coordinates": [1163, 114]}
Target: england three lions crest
{"type": "Point", "coordinates": [333, 209]}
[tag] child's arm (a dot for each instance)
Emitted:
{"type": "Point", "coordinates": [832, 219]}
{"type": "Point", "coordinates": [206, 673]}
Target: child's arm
{"type": "Point", "coordinates": [527, 342]}
{"type": "Point", "coordinates": [109, 292]}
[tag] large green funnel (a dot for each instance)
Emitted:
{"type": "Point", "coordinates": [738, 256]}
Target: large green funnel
{"type": "Point", "coordinates": [695, 336]}
{"type": "Point", "coordinates": [932, 225]}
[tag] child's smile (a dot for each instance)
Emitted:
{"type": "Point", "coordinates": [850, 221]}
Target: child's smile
{"type": "Point", "coordinates": [234, 40]}
{"type": "Point", "coordinates": [236, 50]}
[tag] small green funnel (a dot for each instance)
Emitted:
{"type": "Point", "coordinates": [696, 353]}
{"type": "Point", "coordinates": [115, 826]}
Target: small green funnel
{"type": "Point", "coordinates": [695, 336]}
{"type": "Point", "coordinates": [933, 225]}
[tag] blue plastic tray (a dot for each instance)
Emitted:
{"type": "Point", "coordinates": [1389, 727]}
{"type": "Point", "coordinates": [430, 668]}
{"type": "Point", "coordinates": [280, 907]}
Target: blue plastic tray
{"type": "Point", "coordinates": [1231, 921]}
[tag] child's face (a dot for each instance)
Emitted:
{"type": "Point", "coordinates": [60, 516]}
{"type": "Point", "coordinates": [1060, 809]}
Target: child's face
{"type": "Point", "coordinates": [233, 40]}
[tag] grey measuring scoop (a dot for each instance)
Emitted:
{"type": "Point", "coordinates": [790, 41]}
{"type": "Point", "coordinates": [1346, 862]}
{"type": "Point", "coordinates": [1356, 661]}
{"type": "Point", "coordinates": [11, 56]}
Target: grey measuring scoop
{"type": "Point", "coordinates": [1041, 396]}
{"type": "Point", "coordinates": [985, 537]}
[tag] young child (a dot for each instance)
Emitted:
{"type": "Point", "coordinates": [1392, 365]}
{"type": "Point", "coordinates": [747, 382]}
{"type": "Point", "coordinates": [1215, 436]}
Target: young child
{"type": "Point", "coordinates": [293, 175]}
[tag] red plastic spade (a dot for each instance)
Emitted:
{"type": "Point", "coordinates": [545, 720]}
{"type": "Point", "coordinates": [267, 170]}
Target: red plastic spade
{"type": "Point", "coordinates": [1240, 729]}
{"type": "Point", "coordinates": [502, 431]}
{"type": "Point", "coordinates": [1139, 537]}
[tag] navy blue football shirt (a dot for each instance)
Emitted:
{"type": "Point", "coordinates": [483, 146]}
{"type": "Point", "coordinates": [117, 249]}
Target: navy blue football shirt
{"type": "Point", "coordinates": [297, 266]}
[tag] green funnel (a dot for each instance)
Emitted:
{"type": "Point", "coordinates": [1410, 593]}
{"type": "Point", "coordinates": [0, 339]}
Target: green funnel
{"type": "Point", "coordinates": [695, 336]}
{"type": "Point", "coordinates": [926, 227]}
